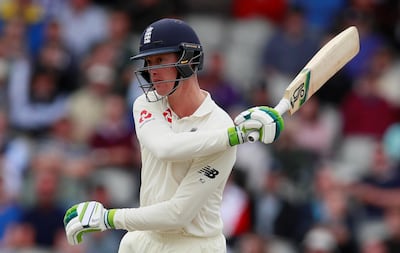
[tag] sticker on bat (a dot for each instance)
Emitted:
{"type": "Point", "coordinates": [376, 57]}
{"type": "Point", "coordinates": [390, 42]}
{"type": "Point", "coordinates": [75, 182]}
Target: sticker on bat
{"type": "Point", "coordinates": [302, 91]}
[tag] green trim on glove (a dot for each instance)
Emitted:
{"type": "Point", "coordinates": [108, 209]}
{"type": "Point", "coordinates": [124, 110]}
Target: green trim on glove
{"type": "Point", "coordinates": [80, 234]}
{"type": "Point", "coordinates": [280, 125]}
{"type": "Point", "coordinates": [70, 214]}
{"type": "Point", "coordinates": [233, 136]}
{"type": "Point", "coordinates": [110, 218]}
{"type": "Point", "coordinates": [83, 212]}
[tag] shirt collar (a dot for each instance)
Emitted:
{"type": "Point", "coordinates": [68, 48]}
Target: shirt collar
{"type": "Point", "coordinates": [206, 107]}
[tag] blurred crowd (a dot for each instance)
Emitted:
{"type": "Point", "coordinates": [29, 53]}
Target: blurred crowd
{"type": "Point", "coordinates": [331, 183]}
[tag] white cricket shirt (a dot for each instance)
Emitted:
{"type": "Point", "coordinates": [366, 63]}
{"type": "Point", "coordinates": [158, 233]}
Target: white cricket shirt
{"type": "Point", "coordinates": [185, 165]}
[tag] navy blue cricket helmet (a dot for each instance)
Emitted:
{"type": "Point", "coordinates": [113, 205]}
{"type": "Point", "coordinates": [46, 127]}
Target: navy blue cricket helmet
{"type": "Point", "coordinates": [169, 36]}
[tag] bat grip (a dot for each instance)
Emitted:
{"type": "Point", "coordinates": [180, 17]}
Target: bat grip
{"type": "Point", "coordinates": [282, 107]}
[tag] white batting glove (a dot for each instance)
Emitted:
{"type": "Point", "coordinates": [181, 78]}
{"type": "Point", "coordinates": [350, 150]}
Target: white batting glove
{"type": "Point", "coordinates": [87, 217]}
{"type": "Point", "coordinates": [238, 134]}
{"type": "Point", "coordinates": [271, 120]}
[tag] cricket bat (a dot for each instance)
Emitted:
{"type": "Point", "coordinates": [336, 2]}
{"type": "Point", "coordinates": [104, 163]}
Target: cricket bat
{"type": "Point", "coordinates": [322, 66]}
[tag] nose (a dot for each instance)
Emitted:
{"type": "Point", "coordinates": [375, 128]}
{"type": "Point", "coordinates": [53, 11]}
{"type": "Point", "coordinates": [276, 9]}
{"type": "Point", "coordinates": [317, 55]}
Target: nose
{"type": "Point", "coordinates": [153, 72]}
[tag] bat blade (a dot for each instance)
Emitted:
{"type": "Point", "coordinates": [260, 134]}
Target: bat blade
{"type": "Point", "coordinates": [322, 66]}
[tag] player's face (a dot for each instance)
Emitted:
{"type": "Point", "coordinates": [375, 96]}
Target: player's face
{"type": "Point", "coordinates": [163, 78]}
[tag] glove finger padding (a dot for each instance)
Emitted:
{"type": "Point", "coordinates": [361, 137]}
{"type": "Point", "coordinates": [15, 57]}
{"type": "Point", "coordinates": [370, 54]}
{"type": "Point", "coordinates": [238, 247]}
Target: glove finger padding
{"type": "Point", "coordinates": [243, 116]}
{"type": "Point", "coordinates": [86, 217]}
{"type": "Point", "coordinates": [239, 133]}
{"type": "Point", "coordinates": [268, 133]}
{"type": "Point", "coordinates": [90, 214]}
{"type": "Point", "coordinates": [250, 125]}
{"type": "Point", "coordinates": [75, 231]}
{"type": "Point", "coordinates": [275, 115]}
{"type": "Point", "coordinates": [262, 117]}
{"type": "Point", "coordinates": [272, 123]}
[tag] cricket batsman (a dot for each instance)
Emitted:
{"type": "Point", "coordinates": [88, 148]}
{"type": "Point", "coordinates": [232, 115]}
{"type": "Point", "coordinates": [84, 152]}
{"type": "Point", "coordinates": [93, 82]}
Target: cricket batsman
{"type": "Point", "coordinates": [188, 148]}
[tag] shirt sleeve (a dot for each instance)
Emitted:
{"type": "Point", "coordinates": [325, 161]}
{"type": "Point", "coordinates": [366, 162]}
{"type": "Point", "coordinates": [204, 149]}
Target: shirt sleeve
{"type": "Point", "coordinates": [202, 180]}
{"type": "Point", "coordinates": [156, 135]}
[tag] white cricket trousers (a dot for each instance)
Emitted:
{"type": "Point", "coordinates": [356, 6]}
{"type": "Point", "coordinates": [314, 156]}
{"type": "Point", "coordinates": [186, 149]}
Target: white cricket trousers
{"type": "Point", "coordinates": [153, 242]}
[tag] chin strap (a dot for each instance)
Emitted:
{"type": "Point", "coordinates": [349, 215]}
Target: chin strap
{"type": "Point", "coordinates": [178, 77]}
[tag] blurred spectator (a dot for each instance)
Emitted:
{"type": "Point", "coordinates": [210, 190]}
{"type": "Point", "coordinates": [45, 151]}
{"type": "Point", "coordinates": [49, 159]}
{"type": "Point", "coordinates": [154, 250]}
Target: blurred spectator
{"type": "Point", "coordinates": [364, 112]}
{"type": "Point", "coordinates": [83, 24]}
{"type": "Point", "coordinates": [20, 237]}
{"type": "Point", "coordinates": [330, 208]}
{"type": "Point", "coordinates": [313, 132]}
{"type": "Point", "coordinates": [275, 213]}
{"type": "Point", "coordinates": [379, 188]}
{"type": "Point", "coordinates": [45, 215]}
{"type": "Point", "coordinates": [319, 240]}
{"type": "Point", "coordinates": [35, 102]}
{"type": "Point", "coordinates": [383, 13]}
{"type": "Point", "coordinates": [224, 92]}
{"type": "Point", "coordinates": [254, 160]}
{"type": "Point", "coordinates": [14, 39]}
{"type": "Point", "coordinates": [392, 222]}
{"type": "Point", "coordinates": [101, 53]}
{"type": "Point", "coordinates": [337, 87]}
{"type": "Point", "coordinates": [113, 141]}
{"type": "Point", "coordinates": [236, 208]}
{"type": "Point", "coordinates": [387, 66]}
{"type": "Point", "coordinates": [121, 40]}
{"type": "Point", "coordinates": [55, 55]}
{"type": "Point", "coordinates": [259, 94]}
{"type": "Point", "coordinates": [15, 155]}
{"type": "Point", "coordinates": [51, 8]}
{"type": "Point", "coordinates": [290, 46]}
{"type": "Point", "coordinates": [86, 107]}
{"type": "Point", "coordinates": [296, 163]}
{"type": "Point", "coordinates": [273, 11]}
{"type": "Point", "coordinates": [205, 7]}
{"type": "Point", "coordinates": [10, 211]}
{"type": "Point", "coordinates": [370, 40]}
{"type": "Point", "coordinates": [391, 142]}
{"type": "Point", "coordinates": [321, 16]}
{"type": "Point", "coordinates": [396, 29]}
{"type": "Point", "coordinates": [76, 160]}
{"type": "Point", "coordinates": [144, 12]}
{"type": "Point", "coordinates": [4, 72]}
{"type": "Point", "coordinates": [252, 243]}
{"type": "Point", "coordinates": [31, 14]}
{"type": "Point", "coordinates": [373, 245]}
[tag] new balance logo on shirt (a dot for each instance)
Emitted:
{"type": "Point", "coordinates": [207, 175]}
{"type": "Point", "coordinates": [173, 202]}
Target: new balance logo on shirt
{"type": "Point", "coordinates": [209, 172]}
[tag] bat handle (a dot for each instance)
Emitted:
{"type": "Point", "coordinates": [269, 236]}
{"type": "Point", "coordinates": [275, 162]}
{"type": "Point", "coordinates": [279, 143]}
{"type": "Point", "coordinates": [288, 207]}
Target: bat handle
{"type": "Point", "coordinates": [282, 107]}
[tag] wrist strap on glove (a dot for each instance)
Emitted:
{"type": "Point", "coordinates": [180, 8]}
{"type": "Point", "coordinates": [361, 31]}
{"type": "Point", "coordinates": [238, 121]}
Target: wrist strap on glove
{"type": "Point", "coordinates": [109, 218]}
{"type": "Point", "coordinates": [236, 136]}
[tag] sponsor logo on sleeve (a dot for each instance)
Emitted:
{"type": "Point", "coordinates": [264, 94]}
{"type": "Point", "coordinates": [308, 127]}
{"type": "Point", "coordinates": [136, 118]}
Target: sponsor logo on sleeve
{"type": "Point", "coordinates": [168, 115]}
{"type": "Point", "coordinates": [209, 172]}
{"type": "Point", "coordinates": [144, 116]}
